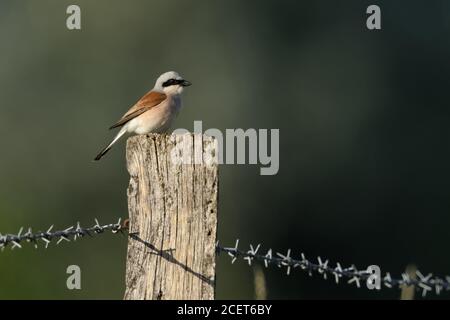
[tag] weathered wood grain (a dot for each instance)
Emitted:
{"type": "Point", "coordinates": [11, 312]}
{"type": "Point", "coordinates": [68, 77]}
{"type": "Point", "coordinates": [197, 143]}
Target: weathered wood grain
{"type": "Point", "coordinates": [173, 208]}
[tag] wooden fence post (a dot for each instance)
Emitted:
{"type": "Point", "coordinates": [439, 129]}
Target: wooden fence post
{"type": "Point", "coordinates": [173, 210]}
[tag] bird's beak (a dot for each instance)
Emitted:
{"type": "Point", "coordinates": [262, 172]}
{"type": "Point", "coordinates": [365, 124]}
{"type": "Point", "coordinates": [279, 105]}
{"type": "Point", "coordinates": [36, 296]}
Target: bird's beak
{"type": "Point", "coordinates": [185, 83]}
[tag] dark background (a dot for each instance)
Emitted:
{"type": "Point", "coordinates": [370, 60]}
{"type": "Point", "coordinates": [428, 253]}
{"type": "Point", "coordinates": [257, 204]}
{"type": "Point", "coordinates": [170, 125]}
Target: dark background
{"type": "Point", "coordinates": [363, 118]}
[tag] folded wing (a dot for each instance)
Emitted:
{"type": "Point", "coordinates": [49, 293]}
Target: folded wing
{"type": "Point", "coordinates": [147, 102]}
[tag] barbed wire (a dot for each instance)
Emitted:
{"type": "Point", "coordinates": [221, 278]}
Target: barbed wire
{"type": "Point", "coordinates": [426, 283]}
{"type": "Point", "coordinates": [322, 267]}
{"type": "Point", "coordinates": [68, 234]}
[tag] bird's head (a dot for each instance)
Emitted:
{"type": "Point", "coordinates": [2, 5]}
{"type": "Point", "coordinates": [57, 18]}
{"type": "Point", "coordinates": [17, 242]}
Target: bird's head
{"type": "Point", "coordinates": [171, 83]}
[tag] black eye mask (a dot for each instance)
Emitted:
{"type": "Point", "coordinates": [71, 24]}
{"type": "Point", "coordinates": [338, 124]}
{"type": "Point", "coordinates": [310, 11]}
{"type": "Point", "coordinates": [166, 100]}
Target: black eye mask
{"type": "Point", "coordinates": [172, 82]}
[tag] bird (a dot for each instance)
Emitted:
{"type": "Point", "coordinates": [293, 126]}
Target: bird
{"type": "Point", "coordinates": [154, 112]}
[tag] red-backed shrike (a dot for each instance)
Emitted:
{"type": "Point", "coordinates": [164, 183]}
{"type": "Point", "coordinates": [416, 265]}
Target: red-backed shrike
{"type": "Point", "coordinates": [155, 111]}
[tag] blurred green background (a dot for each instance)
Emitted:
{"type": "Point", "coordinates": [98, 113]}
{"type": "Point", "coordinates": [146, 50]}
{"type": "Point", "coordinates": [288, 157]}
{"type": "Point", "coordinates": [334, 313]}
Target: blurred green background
{"type": "Point", "coordinates": [363, 118]}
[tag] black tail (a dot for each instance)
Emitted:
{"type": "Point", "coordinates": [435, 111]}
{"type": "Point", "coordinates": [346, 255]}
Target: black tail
{"type": "Point", "coordinates": [102, 153]}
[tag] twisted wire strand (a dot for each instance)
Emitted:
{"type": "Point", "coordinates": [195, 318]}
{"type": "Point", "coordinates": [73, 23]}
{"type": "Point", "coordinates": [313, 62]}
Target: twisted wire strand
{"type": "Point", "coordinates": [68, 234]}
{"type": "Point", "coordinates": [425, 283]}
